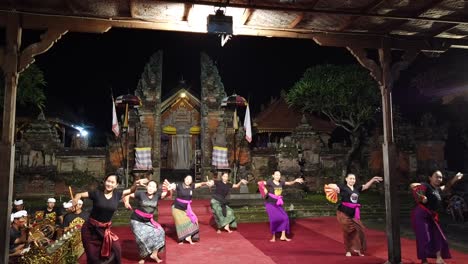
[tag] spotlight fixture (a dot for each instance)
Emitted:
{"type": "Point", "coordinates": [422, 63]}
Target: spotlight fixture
{"type": "Point", "coordinates": [220, 24]}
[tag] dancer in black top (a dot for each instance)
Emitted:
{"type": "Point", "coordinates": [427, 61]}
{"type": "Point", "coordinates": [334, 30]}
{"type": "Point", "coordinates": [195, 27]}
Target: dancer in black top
{"type": "Point", "coordinates": [99, 243]}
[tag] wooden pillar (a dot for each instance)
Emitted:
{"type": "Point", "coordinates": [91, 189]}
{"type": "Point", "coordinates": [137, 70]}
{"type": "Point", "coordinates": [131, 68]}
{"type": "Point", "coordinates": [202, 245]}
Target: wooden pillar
{"type": "Point", "coordinates": [7, 146]}
{"type": "Point", "coordinates": [392, 208]}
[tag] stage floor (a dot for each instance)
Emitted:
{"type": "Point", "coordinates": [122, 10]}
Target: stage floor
{"type": "Point", "coordinates": [314, 240]}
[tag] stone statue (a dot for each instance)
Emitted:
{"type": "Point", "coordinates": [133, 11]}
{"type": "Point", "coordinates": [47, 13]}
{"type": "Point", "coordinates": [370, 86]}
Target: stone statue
{"type": "Point", "coordinates": [219, 138]}
{"type": "Point", "coordinates": [144, 137]}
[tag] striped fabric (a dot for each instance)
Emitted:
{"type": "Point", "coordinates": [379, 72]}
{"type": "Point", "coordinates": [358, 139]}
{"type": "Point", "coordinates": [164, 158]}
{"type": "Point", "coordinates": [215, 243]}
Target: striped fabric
{"type": "Point", "coordinates": [143, 159]}
{"type": "Point", "coordinates": [220, 157]}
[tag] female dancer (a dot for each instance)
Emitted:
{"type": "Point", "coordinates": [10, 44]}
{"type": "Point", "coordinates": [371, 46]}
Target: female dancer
{"type": "Point", "coordinates": [348, 213]}
{"type": "Point", "coordinates": [271, 190]}
{"type": "Point", "coordinates": [149, 234]}
{"type": "Point", "coordinates": [430, 240]}
{"type": "Point", "coordinates": [223, 214]}
{"type": "Point", "coordinates": [186, 222]}
{"type": "Point", "coordinates": [98, 241]}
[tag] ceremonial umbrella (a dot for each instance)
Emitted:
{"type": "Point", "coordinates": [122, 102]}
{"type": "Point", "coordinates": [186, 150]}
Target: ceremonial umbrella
{"type": "Point", "coordinates": [128, 99]}
{"type": "Point", "coordinates": [234, 101]}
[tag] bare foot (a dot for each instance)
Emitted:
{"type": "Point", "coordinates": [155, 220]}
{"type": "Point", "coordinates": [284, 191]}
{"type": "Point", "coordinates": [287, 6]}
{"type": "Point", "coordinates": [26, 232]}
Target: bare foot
{"type": "Point", "coordinates": [142, 261]}
{"type": "Point", "coordinates": [348, 254]}
{"type": "Point", "coordinates": [358, 253]}
{"type": "Point", "coordinates": [272, 240]}
{"type": "Point", "coordinates": [189, 239]}
{"type": "Point", "coordinates": [227, 229]}
{"type": "Point", "coordinates": [219, 231]}
{"type": "Point", "coordinates": [440, 261]}
{"type": "Point", "coordinates": [155, 258]}
{"type": "Point", "coordinates": [285, 239]}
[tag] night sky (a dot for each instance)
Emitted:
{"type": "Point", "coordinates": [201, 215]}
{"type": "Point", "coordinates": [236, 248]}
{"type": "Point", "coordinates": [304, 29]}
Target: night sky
{"type": "Point", "coordinates": [82, 68]}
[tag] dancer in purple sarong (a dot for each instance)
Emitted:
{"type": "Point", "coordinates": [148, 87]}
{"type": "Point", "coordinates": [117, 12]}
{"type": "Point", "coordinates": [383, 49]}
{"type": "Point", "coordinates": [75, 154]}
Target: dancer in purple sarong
{"type": "Point", "coordinates": [272, 191]}
{"type": "Point", "coordinates": [430, 239]}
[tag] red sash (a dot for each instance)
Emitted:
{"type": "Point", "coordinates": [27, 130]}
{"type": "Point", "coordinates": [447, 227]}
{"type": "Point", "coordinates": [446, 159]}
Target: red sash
{"type": "Point", "coordinates": [109, 237]}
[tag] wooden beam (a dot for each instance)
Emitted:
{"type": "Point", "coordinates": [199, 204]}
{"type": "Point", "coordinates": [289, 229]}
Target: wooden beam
{"type": "Point", "coordinates": [376, 42]}
{"type": "Point", "coordinates": [94, 25]}
{"type": "Point", "coordinates": [72, 23]}
{"type": "Point", "coordinates": [132, 8]}
{"type": "Point", "coordinates": [392, 210]}
{"type": "Point", "coordinates": [272, 6]}
{"type": "Point", "coordinates": [2, 56]}
{"type": "Point", "coordinates": [441, 30]}
{"type": "Point", "coordinates": [308, 8]}
{"type": "Point", "coordinates": [297, 20]}
{"type": "Point", "coordinates": [406, 59]}
{"type": "Point", "coordinates": [187, 9]}
{"type": "Point", "coordinates": [47, 41]}
{"type": "Point", "coordinates": [7, 142]}
{"type": "Point", "coordinates": [361, 56]}
{"type": "Point", "coordinates": [399, 23]}
{"type": "Point", "coordinates": [366, 9]}
{"type": "Point", "coordinates": [246, 16]}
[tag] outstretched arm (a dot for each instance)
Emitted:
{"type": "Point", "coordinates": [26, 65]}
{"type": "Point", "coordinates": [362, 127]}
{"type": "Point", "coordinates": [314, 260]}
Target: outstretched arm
{"type": "Point", "coordinates": [368, 184]}
{"type": "Point", "coordinates": [79, 196]}
{"type": "Point", "coordinates": [207, 183]}
{"type": "Point", "coordinates": [299, 180]}
{"type": "Point", "coordinates": [140, 182]}
{"type": "Point", "coordinates": [126, 201]}
{"type": "Point", "coordinates": [452, 182]}
{"type": "Point", "coordinates": [237, 185]}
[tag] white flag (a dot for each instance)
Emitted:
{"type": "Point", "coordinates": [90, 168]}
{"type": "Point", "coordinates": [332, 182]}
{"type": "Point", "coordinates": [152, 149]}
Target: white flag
{"type": "Point", "coordinates": [115, 123]}
{"type": "Point", "coordinates": [247, 126]}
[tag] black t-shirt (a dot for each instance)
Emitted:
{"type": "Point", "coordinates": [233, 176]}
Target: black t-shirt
{"type": "Point", "coordinates": [74, 218]}
{"type": "Point", "coordinates": [145, 204]}
{"type": "Point", "coordinates": [434, 200]}
{"type": "Point", "coordinates": [222, 190]}
{"type": "Point", "coordinates": [349, 196]}
{"type": "Point", "coordinates": [103, 208]}
{"type": "Point", "coordinates": [52, 215]}
{"type": "Point", "coordinates": [276, 189]}
{"type": "Point", "coordinates": [14, 234]}
{"type": "Point", "coordinates": [183, 192]}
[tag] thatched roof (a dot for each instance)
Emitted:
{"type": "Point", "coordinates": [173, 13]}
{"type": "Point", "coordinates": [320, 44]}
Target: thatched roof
{"type": "Point", "coordinates": [279, 117]}
{"type": "Point", "coordinates": [425, 25]}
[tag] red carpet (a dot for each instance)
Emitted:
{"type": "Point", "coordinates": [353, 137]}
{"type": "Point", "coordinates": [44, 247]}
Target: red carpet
{"type": "Point", "coordinates": [315, 240]}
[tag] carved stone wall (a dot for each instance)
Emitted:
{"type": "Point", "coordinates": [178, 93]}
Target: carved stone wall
{"type": "Point", "coordinates": [212, 92]}
{"type": "Point", "coordinates": [149, 90]}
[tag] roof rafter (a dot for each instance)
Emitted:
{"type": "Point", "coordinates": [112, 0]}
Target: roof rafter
{"type": "Point", "coordinates": [366, 9]}
{"type": "Point", "coordinates": [337, 39]}
{"type": "Point", "coordinates": [306, 7]}
{"type": "Point", "coordinates": [429, 6]}
{"type": "Point", "coordinates": [246, 16]}
{"type": "Point", "coordinates": [441, 30]}
{"type": "Point", "coordinates": [187, 9]}
{"type": "Point", "coordinates": [297, 20]}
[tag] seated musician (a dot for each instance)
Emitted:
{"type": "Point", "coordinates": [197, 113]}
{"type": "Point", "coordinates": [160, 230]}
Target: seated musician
{"type": "Point", "coordinates": [18, 233]}
{"type": "Point", "coordinates": [49, 214]}
{"type": "Point", "coordinates": [75, 216]}
{"type": "Point", "coordinates": [18, 205]}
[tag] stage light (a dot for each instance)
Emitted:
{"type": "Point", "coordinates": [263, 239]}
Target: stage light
{"type": "Point", "coordinates": [183, 94]}
{"type": "Point", "coordinates": [220, 24]}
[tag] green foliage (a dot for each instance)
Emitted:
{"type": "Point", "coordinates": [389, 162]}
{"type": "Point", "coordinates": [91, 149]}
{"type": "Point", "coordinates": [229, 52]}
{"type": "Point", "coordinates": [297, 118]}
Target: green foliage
{"type": "Point", "coordinates": [346, 94]}
{"type": "Point", "coordinates": [30, 91]}
{"type": "Point", "coordinates": [78, 179]}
